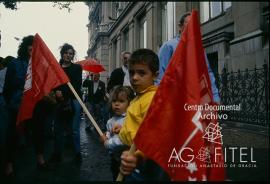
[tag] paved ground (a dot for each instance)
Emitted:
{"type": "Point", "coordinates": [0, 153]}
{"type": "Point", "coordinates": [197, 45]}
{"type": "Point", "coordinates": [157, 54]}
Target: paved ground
{"type": "Point", "coordinates": [96, 163]}
{"type": "Point", "coordinates": [256, 167]}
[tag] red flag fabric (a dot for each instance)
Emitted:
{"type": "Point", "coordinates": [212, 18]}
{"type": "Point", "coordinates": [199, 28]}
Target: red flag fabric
{"type": "Point", "coordinates": [43, 74]}
{"type": "Point", "coordinates": [173, 133]}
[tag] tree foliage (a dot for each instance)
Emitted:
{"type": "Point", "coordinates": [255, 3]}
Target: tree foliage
{"type": "Point", "coordinates": [63, 5]}
{"type": "Point", "coordinates": [10, 4]}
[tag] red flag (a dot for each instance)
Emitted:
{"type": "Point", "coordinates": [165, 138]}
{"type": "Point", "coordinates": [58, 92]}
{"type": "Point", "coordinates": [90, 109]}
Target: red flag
{"type": "Point", "coordinates": [43, 74]}
{"type": "Point", "coordinates": [173, 133]}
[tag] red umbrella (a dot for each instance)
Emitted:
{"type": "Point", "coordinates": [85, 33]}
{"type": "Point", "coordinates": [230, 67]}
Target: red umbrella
{"type": "Point", "coordinates": [91, 65]}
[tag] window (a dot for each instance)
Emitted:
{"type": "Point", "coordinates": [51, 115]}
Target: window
{"type": "Point", "coordinates": [210, 10]}
{"type": "Point", "coordinates": [164, 22]}
{"type": "Point", "coordinates": [114, 50]}
{"type": "Point", "coordinates": [215, 9]}
{"type": "Point", "coordinates": [204, 11]}
{"type": "Point", "coordinates": [143, 32]}
{"type": "Point", "coordinates": [213, 62]}
{"type": "Point", "coordinates": [171, 19]}
{"type": "Point", "coordinates": [168, 26]}
{"type": "Point", "coordinates": [226, 5]}
{"type": "Point", "coordinates": [125, 40]}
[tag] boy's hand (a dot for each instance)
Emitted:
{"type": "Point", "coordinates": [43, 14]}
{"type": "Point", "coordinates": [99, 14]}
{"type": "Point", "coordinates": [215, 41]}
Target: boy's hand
{"type": "Point", "coordinates": [128, 163]}
{"type": "Point", "coordinates": [103, 138]}
{"type": "Point", "coordinates": [116, 129]}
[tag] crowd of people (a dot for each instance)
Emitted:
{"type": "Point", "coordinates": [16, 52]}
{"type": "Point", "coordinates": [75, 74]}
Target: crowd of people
{"type": "Point", "coordinates": [119, 108]}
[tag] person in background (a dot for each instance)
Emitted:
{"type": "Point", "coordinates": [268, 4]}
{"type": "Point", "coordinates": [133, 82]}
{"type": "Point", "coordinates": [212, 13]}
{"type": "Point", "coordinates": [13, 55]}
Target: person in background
{"type": "Point", "coordinates": [96, 94]}
{"type": "Point", "coordinates": [13, 92]}
{"type": "Point", "coordinates": [42, 118]}
{"type": "Point", "coordinates": [120, 76]}
{"type": "Point", "coordinates": [3, 109]}
{"type": "Point", "coordinates": [166, 52]}
{"type": "Point", "coordinates": [68, 109]}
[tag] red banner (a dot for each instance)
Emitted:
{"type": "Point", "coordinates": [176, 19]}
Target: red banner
{"type": "Point", "coordinates": [174, 133]}
{"type": "Point", "coordinates": [43, 74]}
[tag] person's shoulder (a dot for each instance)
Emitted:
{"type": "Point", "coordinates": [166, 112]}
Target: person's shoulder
{"type": "Point", "coordinates": [14, 62]}
{"type": "Point", "coordinates": [172, 41]}
{"type": "Point", "coordinates": [102, 83]}
{"type": "Point", "coordinates": [88, 82]}
{"type": "Point", "coordinates": [77, 66]}
{"type": "Point", "coordinates": [117, 70]}
{"type": "Point", "coordinates": [148, 94]}
{"type": "Point", "coordinates": [110, 121]}
{"type": "Point", "coordinates": [168, 45]}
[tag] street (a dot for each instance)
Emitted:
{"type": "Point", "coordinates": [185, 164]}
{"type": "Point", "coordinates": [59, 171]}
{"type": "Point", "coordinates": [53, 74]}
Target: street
{"type": "Point", "coordinates": [95, 164]}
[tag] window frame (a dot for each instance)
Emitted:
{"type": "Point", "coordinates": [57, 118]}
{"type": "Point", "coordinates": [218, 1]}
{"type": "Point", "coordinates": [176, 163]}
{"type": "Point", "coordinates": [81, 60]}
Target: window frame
{"type": "Point", "coordinates": [142, 32]}
{"type": "Point", "coordinates": [222, 12]}
{"type": "Point", "coordinates": [125, 39]}
{"type": "Point", "coordinates": [164, 21]}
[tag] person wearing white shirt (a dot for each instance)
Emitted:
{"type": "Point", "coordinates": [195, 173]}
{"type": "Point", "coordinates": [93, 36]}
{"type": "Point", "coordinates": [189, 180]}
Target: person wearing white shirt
{"type": "Point", "coordinates": [95, 98]}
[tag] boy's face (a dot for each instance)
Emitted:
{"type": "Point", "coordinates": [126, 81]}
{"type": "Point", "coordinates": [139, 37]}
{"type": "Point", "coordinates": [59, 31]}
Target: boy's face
{"type": "Point", "coordinates": [141, 77]}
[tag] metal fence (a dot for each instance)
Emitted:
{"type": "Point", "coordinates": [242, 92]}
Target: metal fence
{"type": "Point", "coordinates": [250, 88]}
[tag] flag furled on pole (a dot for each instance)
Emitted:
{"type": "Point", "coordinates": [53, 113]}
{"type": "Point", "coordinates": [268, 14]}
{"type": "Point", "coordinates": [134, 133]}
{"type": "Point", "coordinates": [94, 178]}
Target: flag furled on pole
{"type": "Point", "coordinates": [43, 74]}
{"type": "Point", "coordinates": [173, 133]}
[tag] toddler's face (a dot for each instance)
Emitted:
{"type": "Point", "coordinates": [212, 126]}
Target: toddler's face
{"type": "Point", "coordinates": [141, 77]}
{"type": "Point", "coordinates": [120, 104]}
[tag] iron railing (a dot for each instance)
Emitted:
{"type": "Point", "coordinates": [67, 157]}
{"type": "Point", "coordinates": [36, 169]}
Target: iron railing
{"type": "Point", "coordinates": [250, 88]}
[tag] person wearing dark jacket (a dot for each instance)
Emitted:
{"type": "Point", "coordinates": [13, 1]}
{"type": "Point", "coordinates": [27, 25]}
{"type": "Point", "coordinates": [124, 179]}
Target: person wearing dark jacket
{"type": "Point", "coordinates": [95, 98]}
{"type": "Point", "coordinates": [68, 110]}
{"type": "Point", "coordinates": [120, 76]}
{"type": "Point", "coordinates": [13, 92]}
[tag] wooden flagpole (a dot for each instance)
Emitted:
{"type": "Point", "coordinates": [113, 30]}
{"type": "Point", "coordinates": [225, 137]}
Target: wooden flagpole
{"type": "Point", "coordinates": [85, 109]}
{"type": "Point", "coordinates": [132, 150]}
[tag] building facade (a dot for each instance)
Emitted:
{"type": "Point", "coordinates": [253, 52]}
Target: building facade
{"type": "Point", "coordinates": [235, 36]}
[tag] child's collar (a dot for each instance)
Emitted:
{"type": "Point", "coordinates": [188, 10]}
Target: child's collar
{"type": "Point", "coordinates": [150, 88]}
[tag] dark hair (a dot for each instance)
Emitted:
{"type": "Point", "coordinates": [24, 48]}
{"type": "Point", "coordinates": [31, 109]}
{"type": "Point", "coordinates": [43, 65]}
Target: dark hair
{"type": "Point", "coordinates": [63, 50]}
{"type": "Point", "coordinates": [23, 47]}
{"type": "Point", "coordinates": [145, 56]}
{"type": "Point", "coordinates": [182, 19]}
{"type": "Point", "coordinates": [121, 89]}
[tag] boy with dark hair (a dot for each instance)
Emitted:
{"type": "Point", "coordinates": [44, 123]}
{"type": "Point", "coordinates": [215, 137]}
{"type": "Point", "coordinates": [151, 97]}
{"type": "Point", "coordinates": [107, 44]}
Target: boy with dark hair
{"type": "Point", "coordinates": [143, 69]}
